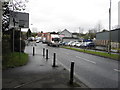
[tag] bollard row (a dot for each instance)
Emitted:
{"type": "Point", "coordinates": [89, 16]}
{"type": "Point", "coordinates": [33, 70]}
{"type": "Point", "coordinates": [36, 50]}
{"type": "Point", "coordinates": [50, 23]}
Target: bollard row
{"type": "Point", "coordinates": [43, 52]}
{"type": "Point", "coordinates": [33, 51]}
{"type": "Point", "coordinates": [54, 64]}
{"type": "Point", "coordinates": [72, 72]}
{"type": "Point", "coordinates": [54, 60]}
{"type": "Point", "coordinates": [46, 53]}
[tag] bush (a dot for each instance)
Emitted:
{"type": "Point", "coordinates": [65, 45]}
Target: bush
{"type": "Point", "coordinates": [17, 45]}
{"type": "Point", "coordinates": [6, 46]}
{"type": "Point", "coordinates": [14, 60]}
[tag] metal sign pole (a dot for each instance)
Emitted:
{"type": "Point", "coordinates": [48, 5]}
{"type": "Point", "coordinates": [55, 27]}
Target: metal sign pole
{"type": "Point", "coordinates": [20, 43]}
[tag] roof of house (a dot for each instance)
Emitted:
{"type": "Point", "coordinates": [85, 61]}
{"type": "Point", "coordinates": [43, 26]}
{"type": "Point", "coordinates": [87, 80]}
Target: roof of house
{"type": "Point", "coordinates": [66, 30]}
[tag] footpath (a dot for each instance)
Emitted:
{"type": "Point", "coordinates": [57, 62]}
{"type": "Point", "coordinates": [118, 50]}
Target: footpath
{"type": "Point", "coordinates": [39, 73]}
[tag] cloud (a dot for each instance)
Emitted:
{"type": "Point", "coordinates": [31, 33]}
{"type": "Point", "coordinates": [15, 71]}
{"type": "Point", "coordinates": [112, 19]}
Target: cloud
{"type": "Point", "coordinates": [59, 14]}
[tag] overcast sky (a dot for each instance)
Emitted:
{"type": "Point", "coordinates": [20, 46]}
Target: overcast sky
{"type": "Point", "coordinates": [57, 15]}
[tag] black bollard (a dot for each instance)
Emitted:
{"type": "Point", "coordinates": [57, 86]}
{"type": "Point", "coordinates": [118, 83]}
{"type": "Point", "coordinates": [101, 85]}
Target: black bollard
{"type": "Point", "coordinates": [33, 51]}
{"type": "Point", "coordinates": [54, 60]}
{"type": "Point", "coordinates": [43, 52]}
{"type": "Point", "coordinates": [72, 72]}
{"type": "Point", "coordinates": [46, 53]}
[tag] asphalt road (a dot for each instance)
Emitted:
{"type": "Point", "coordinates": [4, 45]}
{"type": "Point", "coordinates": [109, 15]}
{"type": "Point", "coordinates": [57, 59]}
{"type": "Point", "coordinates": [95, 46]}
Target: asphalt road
{"type": "Point", "coordinates": [94, 71]}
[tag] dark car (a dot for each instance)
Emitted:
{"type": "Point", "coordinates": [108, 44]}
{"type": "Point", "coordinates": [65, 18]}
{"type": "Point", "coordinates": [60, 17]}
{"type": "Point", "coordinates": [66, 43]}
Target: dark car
{"type": "Point", "coordinates": [91, 44]}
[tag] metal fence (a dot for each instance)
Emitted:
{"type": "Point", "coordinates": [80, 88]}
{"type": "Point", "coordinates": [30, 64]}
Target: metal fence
{"type": "Point", "coordinates": [115, 35]}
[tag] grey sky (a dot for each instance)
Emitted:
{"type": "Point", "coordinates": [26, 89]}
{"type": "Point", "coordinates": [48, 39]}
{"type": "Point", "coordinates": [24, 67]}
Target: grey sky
{"type": "Point", "coordinates": [56, 15]}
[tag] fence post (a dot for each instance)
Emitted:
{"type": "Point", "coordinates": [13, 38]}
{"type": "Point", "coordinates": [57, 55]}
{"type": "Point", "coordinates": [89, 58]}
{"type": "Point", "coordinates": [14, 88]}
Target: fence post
{"type": "Point", "coordinates": [33, 51]}
{"type": "Point", "coordinates": [43, 52]}
{"type": "Point", "coordinates": [54, 60]}
{"type": "Point", "coordinates": [46, 53]}
{"type": "Point", "coordinates": [72, 72]}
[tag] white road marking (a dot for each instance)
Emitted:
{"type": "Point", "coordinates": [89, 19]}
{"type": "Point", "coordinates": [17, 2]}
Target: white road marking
{"type": "Point", "coordinates": [75, 74]}
{"type": "Point", "coordinates": [116, 70]}
{"type": "Point", "coordinates": [63, 65]}
{"type": "Point", "coordinates": [86, 60]}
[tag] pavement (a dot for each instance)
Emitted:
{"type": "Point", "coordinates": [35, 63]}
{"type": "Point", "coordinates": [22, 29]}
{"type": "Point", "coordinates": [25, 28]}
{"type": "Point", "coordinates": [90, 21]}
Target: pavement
{"type": "Point", "coordinates": [100, 49]}
{"type": "Point", "coordinates": [38, 73]}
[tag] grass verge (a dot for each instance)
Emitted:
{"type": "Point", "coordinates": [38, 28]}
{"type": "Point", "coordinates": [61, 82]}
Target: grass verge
{"type": "Point", "coordinates": [14, 60]}
{"type": "Point", "coordinates": [112, 56]}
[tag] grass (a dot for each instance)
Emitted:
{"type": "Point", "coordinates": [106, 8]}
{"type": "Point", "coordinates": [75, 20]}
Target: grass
{"type": "Point", "coordinates": [112, 56]}
{"type": "Point", "coordinates": [14, 60]}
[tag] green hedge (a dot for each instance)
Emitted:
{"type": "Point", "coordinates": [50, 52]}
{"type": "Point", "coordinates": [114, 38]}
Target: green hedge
{"type": "Point", "coordinates": [14, 59]}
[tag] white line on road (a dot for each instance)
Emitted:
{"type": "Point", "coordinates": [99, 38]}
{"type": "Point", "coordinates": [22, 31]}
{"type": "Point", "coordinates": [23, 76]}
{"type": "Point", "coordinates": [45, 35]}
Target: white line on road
{"type": "Point", "coordinates": [116, 70]}
{"type": "Point", "coordinates": [76, 75]}
{"type": "Point", "coordinates": [86, 60]}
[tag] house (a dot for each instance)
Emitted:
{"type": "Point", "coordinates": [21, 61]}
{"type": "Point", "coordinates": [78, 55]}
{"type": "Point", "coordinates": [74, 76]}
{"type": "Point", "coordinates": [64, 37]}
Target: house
{"type": "Point", "coordinates": [67, 36]}
{"type": "Point", "coordinates": [68, 39]}
{"type": "Point", "coordinates": [65, 33]}
{"type": "Point", "coordinates": [75, 35]}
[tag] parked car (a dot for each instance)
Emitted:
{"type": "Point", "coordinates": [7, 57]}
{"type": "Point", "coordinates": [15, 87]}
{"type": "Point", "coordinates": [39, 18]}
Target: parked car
{"type": "Point", "coordinates": [62, 43]}
{"type": "Point", "coordinates": [65, 43]}
{"type": "Point", "coordinates": [74, 43]}
{"type": "Point", "coordinates": [79, 44]}
{"type": "Point", "coordinates": [37, 41]}
{"type": "Point", "coordinates": [91, 44]}
{"type": "Point", "coordinates": [88, 44]}
{"type": "Point", "coordinates": [69, 43]}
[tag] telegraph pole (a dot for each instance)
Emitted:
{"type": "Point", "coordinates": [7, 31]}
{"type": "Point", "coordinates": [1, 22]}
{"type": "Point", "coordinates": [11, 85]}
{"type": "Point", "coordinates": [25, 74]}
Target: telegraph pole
{"type": "Point", "coordinates": [109, 46]}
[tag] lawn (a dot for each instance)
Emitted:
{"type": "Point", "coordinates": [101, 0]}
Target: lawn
{"type": "Point", "coordinates": [103, 54]}
{"type": "Point", "coordinates": [14, 60]}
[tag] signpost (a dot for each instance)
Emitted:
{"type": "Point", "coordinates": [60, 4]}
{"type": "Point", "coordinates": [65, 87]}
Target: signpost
{"type": "Point", "coordinates": [0, 45]}
{"type": "Point", "coordinates": [0, 21]}
{"type": "Point", "coordinates": [18, 20]}
{"type": "Point", "coordinates": [21, 19]}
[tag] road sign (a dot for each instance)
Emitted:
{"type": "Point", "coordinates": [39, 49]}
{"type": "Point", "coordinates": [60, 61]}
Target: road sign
{"type": "Point", "coordinates": [19, 19]}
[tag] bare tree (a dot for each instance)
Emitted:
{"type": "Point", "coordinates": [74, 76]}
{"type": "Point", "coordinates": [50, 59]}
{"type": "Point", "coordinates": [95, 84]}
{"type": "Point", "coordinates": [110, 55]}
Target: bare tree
{"type": "Point", "coordinates": [98, 26]}
{"type": "Point", "coordinates": [81, 30]}
{"type": "Point", "coordinates": [10, 5]}
{"type": "Point", "coordinates": [116, 26]}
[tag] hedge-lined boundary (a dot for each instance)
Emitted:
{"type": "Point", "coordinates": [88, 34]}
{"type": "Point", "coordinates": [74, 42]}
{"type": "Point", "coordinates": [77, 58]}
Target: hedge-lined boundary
{"type": "Point", "coordinates": [112, 56]}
